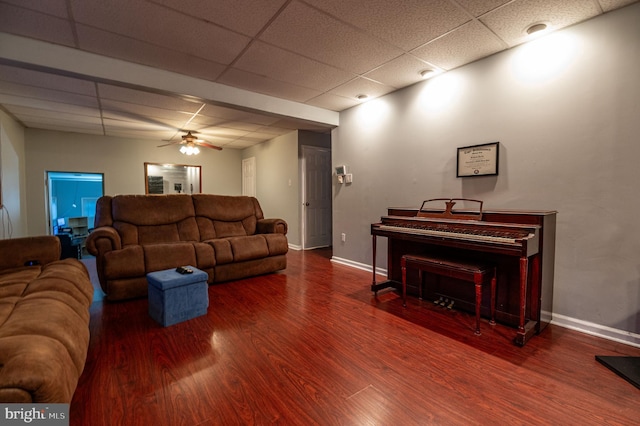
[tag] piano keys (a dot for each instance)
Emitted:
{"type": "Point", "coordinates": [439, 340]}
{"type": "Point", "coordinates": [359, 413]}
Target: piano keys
{"type": "Point", "coordinates": [520, 243]}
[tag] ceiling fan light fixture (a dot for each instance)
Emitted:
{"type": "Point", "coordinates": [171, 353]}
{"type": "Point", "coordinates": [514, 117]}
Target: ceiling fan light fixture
{"type": "Point", "coordinates": [189, 149]}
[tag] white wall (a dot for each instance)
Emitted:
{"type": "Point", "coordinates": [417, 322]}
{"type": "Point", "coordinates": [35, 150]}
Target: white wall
{"type": "Point", "coordinates": [13, 179]}
{"type": "Point", "coordinates": [122, 162]}
{"type": "Point", "coordinates": [569, 142]}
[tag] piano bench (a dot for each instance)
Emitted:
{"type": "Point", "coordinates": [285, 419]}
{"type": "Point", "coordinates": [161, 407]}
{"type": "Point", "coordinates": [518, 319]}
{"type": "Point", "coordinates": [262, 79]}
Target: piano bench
{"type": "Point", "coordinates": [479, 273]}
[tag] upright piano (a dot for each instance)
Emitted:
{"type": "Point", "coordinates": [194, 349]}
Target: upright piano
{"type": "Point", "coordinates": [520, 243]}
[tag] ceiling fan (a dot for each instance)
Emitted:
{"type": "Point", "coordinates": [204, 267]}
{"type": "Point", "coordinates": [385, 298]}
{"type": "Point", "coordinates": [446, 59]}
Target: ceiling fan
{"type": "Point", "coordinates": [190, 144]}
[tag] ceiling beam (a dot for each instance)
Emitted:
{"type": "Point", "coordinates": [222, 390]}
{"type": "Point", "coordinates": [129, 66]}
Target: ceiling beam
{"type": "Point", "coordinates": [53, 58]}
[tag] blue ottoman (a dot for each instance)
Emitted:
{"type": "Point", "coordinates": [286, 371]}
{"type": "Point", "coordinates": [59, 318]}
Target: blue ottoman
{"type": "Point", "coordinates": [174, 297]}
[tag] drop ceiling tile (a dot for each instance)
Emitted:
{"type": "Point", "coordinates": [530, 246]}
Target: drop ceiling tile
{"type": "Point", "coordinates": [46, 80]}
{"type": "Point", "coordinates": [281, 65]}
{"type": "Point", "coordinates": [160, 26]}
{"type": "Point", "coordinates": [41, 93]}
{"type": "Point", "coordinates": [135, 125]}
{"type": "Point", "coordinates": [309, 32]}
{"type": "Point", "coordinates": [140, 97]}
{"type": "Point", "coordinates": [244, 16]}
{"type": "Point", "coordinates": [333, 102]}
{"type": "Point", "coordinates": [38, 121]}
{"type": "Point", "coordinates": [263, 119]}
{"type": "Point", "coordinates": [240, 125]}
{"type": "Point", "coordinates": [72, 128]}
{"type": "Point", "coordinates": [480, 7]}
{"type": "Point", "coordinates": [466, 44]}
{"type": "Point", "coordinates": [168, 125]}
{"type": "Point", "coordinates": [400, 72]}
{"type": "Point", "coordinates": [608, 5]}
{"type": "Point", "coordinates": [254, 138]}
{"type": "Point", "coordinates": [223, 132]}
{"type": "Point", "coordinates": [260, 84]}
{"type": "Point", "coordinates": [28, 23]}
{"type": "Point", "coordinates": [361, 86]}
{"type": "Point", "coordinates": [220, 112]}
{"type": "Point", "coordinates": [9, 101]}
{"type": "Point", "coordinates": [403, 23]}
{"type": "Point", "coordinates": [159, 136]}
{"type": "Point", "coordinates": [511, 21]}
{"type": "Point", "coordinates": [140, 52]}
{"type": "Point", "coordinates": [239, 144]}
{"type": "Point", "coordinates": [56, 115]}
{"type": "Point", "coordinates": [128, 111]}
{"type": "Point", "coordinates": [50, 7]}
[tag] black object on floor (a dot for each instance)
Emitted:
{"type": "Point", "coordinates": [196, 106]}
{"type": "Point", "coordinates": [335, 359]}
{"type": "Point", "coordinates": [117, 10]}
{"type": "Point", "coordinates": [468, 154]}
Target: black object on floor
{"type": "Point", "coordinates": [627, 367]}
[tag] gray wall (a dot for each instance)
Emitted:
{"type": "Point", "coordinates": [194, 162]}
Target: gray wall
{"type": "Point", "coordinates": [122, 162]}
{"type": "Point", "coordinates": [277, 180]}
{"type": "Point", "coordinates": [569, 142]}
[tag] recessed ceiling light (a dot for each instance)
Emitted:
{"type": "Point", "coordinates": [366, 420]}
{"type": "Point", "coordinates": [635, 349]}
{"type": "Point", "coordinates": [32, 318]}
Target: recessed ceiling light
{"type": "Point", "coordinates": [362, 97]}
{"type": "Point", "coordinates": [426, 73]}
{"type": "Point", "coordinates": [536, 28]}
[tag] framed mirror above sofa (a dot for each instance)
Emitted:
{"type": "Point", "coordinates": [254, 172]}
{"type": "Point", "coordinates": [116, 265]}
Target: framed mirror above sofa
{"type": "Point", "coordinates": [172, 179]}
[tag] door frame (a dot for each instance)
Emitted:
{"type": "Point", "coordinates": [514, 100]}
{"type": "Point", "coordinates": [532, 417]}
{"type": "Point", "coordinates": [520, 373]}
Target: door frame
{"type": "Point", "coordinates": [303, 191]}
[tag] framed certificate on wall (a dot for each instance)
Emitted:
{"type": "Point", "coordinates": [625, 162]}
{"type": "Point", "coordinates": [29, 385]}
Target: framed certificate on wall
{"type": "Point", "coordinates": [478, 160]}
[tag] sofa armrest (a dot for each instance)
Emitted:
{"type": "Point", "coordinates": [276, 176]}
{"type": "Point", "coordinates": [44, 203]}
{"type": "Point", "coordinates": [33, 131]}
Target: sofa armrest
{"type": "Point", "coordinates": [271, 226]}
{"type": "Point", "coordinates": [18, 252]}
{"type": "Point", "coordinates": [102, 240]}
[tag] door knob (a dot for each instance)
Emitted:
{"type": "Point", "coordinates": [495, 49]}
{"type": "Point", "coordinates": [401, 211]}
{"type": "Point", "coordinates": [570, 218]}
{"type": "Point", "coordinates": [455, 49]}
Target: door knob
{"type": "Point", "coordinates": [306, 204]}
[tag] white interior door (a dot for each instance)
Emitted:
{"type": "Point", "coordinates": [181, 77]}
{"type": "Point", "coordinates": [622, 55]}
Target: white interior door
{"type": "Point", "coordinates": [249, 176]}
{"type": "Point", "coordinates": [316, 204]}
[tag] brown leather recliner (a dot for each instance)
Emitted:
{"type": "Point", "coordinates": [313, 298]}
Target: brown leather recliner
{"type": "Point", "coordinates": [44, 318]}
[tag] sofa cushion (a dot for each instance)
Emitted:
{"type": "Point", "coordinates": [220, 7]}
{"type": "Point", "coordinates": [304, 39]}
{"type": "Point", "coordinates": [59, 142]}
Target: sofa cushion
{"type": "Point", "coordinates": [165, 256]}
{"type": "Point", "coordinates": [221, 216]}
{"type": "Point", "coordinates": [239, 249]}
{"type": "Point", "coordinates": [141, 219]}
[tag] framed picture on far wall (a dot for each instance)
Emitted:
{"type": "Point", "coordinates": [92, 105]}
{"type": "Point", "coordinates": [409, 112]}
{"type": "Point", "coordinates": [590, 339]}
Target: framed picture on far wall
{"type": "Point", "coordinates": [478, 160]}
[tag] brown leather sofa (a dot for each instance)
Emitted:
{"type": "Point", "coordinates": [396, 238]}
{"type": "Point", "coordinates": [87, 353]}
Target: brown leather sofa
{"type": "Point", "coordinates": [44, 319]}
{"type": "Point", "coordinates": [225, 236]}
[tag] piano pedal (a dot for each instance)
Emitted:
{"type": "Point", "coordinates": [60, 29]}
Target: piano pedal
{"type": "Point", "coordinates": [438, 301]}
{"type": "Point", "coordinates": [444, 302]}
{"type": "Point", "coordinates": [450, 305]}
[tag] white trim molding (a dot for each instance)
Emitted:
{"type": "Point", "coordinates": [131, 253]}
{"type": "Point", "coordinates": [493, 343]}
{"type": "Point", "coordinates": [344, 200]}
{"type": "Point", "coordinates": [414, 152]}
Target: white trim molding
{"type": "Point", "coordinates": [610, 333]}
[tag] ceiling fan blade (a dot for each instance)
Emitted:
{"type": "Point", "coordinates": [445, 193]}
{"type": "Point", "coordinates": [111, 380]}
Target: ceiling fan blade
{"type": "Point", "coordinates": [208, 145]}
{"type": "Point", "coordinates": [170, 143]}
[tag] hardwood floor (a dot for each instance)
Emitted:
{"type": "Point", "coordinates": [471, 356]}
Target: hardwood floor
{"type": "Point", "coordinates": [311, 345]}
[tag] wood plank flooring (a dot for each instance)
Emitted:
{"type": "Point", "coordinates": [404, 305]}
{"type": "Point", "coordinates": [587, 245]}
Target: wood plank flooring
{"type": "Point", "coordinates": [312, 346]}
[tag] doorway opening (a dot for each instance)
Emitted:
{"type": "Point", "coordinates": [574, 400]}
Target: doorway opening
{"type": "Point", "coordinates": [71, 205]}
{"type": "Point", "coordinates": [316, 196]}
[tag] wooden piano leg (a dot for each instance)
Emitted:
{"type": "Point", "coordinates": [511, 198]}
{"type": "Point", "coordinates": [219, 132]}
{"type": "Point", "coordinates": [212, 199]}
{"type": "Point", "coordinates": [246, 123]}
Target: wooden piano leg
{"type": "Point", "coordinates": [477, 279]}
{"type": "Point", "coordinates": [373, 263]}
{"type": "Point", "coordinates": [403, 263]}
{"type": "Point", "coordinates": [493, 297]}
{"type": "Point", "coordinates": [521, 337]}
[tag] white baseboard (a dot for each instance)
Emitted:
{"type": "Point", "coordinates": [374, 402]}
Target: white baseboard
{"type": "Point", "coordinates": [295, 247]}
{"type": "Point", "coordinates": [620, 336]}
{"type": "Point", "coordinates": [358, 265]}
